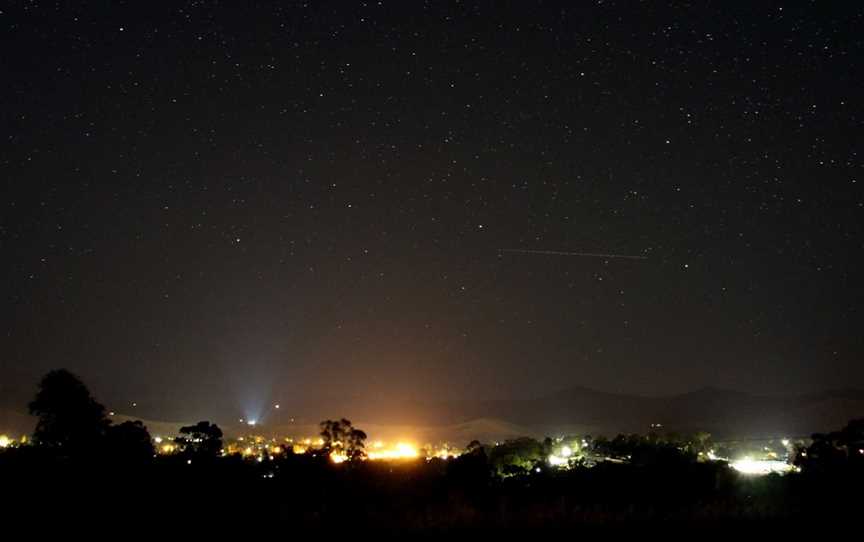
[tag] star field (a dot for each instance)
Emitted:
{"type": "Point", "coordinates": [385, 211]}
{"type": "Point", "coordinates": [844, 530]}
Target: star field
{"type": "Point", "coordinates": [205, 200]}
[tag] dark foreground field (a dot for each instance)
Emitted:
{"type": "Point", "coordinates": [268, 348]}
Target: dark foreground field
{"type": "Point", "coordinates": [303, 493]}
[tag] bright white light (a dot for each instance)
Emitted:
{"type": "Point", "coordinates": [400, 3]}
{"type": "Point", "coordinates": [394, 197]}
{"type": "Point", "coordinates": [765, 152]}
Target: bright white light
{"type": "Point", "coordinates": [158, 440]}
{"type": "Point", "coordinates": [537, 469]}
{"type": "Point", "coordinates": [556, 461]}
{"type": "Point", "coordinates": [4, 441]}
{"type": "Point", "coordinates": [785, 442]}
{"type": "Point", "coordinates": [276, 406]}
{"type": "Point", "coordinates": [252, 422]}
{"type": "Point", "coordinates": [752, 466]}
{"type": "Point", "coordinates": [406, 449]}
{"type": "Point", "coordinates": [748, 466]}
{"type": "Point", "coordinates": [566, 451]}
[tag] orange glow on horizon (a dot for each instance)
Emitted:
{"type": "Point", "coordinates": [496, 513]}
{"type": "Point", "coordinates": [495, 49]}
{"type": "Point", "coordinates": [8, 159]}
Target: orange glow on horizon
{"type": "Point", "coordinates": [402, 450]}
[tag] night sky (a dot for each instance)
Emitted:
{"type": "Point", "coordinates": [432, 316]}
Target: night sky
{"type": "Point", "coordinates": [223, 203]}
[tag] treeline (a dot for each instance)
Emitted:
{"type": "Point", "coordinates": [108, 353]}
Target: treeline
{"type": "Point", "coordinates": [80, 465]}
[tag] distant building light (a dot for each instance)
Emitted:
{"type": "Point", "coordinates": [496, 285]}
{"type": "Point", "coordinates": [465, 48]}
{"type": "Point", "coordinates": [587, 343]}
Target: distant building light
{"type": "Point", "coordinates": [276, 406]}
{"type": "Point", "coordinates": [555, 461]}
{"type": "Point", "coordinates": [252, 422]}
{"type": "Point", "coordinates": [754, 467]}
{"type": "Point", "coordinates": [402, 450]}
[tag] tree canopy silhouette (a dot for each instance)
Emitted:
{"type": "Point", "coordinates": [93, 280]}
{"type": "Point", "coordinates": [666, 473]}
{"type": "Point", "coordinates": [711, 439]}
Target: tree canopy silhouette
{"type": "Point", "coordinates": [837, 451]}
{"type": "Point", "coordinates": [129, 442]}
{"type": "Point", "coordinates": [517, 455]}
{"type": "Point", "coordinates": [70, 420]}
{"type": "Point", "coordinates": [202, 439]}
{"type": "Point", "coordinates": [341, 438]}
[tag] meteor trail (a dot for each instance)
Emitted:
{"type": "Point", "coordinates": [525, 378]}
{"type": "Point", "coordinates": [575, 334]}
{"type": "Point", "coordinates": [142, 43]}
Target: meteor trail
{"type": "Point", "coordinates": [563, 253]}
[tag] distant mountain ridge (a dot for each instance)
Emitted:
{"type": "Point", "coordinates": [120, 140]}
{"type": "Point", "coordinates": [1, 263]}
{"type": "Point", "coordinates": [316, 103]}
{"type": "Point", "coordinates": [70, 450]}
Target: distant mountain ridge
{"type": "Point", "coordinates": [724, 413]}
{"type": "Point", "coordinates": [719, 411]}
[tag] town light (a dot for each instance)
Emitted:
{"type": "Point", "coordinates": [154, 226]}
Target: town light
{"type": "Point", "coordinates": [751, 466]}
{"type": "Point", "coordinates": [557, 461]}
{"type": "Point", "coordinates": [402, 450]}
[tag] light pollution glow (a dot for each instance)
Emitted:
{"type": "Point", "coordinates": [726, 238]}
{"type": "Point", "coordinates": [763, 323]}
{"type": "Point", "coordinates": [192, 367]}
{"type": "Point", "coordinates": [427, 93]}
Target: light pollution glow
{"type": "Point", "coordinates": [261, 448]}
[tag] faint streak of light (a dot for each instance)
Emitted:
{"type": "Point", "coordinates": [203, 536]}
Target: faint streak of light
{"type": "Point", "coordinates": [563, 253]}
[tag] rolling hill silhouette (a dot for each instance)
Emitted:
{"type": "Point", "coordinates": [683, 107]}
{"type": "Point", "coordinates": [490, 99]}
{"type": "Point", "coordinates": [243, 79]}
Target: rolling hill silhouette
{"type": "Point", "coordinates": [577, 410]}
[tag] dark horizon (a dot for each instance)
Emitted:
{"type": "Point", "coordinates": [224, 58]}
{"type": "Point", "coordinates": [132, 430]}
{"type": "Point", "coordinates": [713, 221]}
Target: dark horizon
{"type": "Point", "coordinates": [724, 413]}
{"type": "Point", "coordinates": [223, 207]}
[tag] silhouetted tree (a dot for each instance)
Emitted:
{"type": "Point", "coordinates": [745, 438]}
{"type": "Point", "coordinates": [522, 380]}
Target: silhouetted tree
{"type": "Point", "coordinates": [355, 447]}
{"type": "Point", "coordinates": [471, 469]}
{"type": "Point", "coordinates": [651, 449]}
{"type": "Point", "coordinates": [70, 420]}
{"type": "Point", "coordinates": [129, 442]}
{"type": "Point", "coordinates": [202, 439]}
{"type": "Point", "coordinates": [701, 442]}
{"type": "Point", "coordinates": [474, 447]}
{"type": "Point", "coordinates": [547, 446]}
{"type": "Point", "coordinates": [836, 451]}
{"type": "Point", "coordinates": [342, 438]}
{"type": "Point", "coordinates": [520, 455]}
